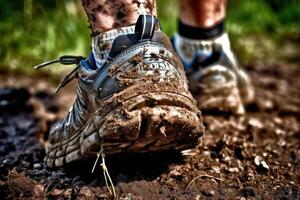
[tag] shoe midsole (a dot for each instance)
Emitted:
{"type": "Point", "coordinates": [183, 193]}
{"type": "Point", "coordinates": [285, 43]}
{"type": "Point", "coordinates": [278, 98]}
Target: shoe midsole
{"type": "Point", "coordinates": [95, 123]}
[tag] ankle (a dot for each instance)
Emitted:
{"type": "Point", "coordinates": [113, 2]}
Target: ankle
{"type": "Point", "coordinates": [196, 33]}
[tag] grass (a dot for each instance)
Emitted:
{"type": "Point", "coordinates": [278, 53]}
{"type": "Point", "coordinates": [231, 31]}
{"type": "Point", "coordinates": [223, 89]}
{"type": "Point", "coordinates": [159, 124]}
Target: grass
{"type": "Point", "coordinates": [258, 28]}
{"type": "Point", "coordinates": [33, 31]}
{"type": "Point", "coordinates": [44, 34]}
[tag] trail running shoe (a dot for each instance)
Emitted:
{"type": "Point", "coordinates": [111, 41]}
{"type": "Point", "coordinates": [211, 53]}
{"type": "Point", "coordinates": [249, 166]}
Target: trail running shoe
{"type": "Point", "coordinates": [138, 101]}
{"type": "Point", "coordinates": [215, 79]}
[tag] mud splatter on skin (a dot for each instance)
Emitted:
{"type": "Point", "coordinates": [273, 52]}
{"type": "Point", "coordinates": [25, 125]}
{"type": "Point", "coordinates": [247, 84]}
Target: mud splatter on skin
{"type": "Point", "coordinates": [105, 15]}
{"type": "Point", "coordinates": [151, 5]}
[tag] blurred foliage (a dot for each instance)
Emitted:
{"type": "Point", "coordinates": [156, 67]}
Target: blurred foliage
{"type": "Point", "coordinates": [258, 27]}
{"type": "Point", "coordinates": [263, 16]}
{"type": "Point", "coordinates": [33, 31]}
{"type": "Point", "coordinates": [36, 30]}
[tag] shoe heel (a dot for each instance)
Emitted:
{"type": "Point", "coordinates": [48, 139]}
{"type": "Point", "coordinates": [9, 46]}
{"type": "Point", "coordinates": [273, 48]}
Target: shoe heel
{"type": "Point", "coordinates": [218, 91]}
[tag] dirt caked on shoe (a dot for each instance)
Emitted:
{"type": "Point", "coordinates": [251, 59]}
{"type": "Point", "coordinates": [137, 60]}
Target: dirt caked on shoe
{"type": "Point", "coordinates": [137, 101]}
{"type": "Point", "coordinates": [215, 79]}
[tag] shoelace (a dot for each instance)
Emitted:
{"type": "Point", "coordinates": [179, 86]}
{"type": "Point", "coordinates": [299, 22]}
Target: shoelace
{"type": "Point", "coordinates": [64, 60]}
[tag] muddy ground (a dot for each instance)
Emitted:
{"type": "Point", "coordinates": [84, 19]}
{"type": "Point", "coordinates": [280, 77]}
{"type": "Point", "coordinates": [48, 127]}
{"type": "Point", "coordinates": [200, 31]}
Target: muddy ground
{"type": "Point", "coordinates": [256, 156]}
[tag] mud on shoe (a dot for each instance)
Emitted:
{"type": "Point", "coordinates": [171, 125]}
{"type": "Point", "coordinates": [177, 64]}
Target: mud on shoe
{"type": "Point", "coordinates": [137, 101]}
{"type": "Point", "coordinates": [216, 80]}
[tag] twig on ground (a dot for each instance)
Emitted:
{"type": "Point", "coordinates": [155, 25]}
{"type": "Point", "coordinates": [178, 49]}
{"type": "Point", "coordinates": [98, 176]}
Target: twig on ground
{"type": "Point", "coordinates": [203, 176]}
{"type": "Point", "coordinates": [106, 175]}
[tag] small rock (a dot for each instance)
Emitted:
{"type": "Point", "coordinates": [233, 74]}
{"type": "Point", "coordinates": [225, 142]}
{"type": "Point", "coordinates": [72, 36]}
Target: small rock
{"type": "Point", "coordinates": [37, 166]}
{"type": "Point", "coordinates": [278, 120]}
{"type": "Point", "coordinates": [257, 160]}
{"type": "Point", "coordinates": [227, 158]}
{"type": "Point", "coordinates": [234, 170]}
{"type": "Point", "coordinates": [255, 123]}
{"type": "Point", "coordinates": [260, 163]}
{"type": "Point", "coordinates": [175, 173]}
{"type": "Point", "coordinates": [250, 173]}
{"type": "Point", "coordinates": [265, 104]}
{"type": "Point", "coordinates": [265, 154]}
{"type": "Point", "coordinates": [216, 169]}
{"type": "Point", "coordinates": [279, 131]}
{"type": "Point", "coordinates": [281, 142]}
{"type": "Point", "coordinates": [210, 193]}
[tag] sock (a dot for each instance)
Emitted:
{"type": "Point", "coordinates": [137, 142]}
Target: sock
{"type": "Point", "coordinates": [201, 33]}
{"type": "Point", "coordinates": [191, 42]}
{"type": "Point", "coordinates": [101, 43]}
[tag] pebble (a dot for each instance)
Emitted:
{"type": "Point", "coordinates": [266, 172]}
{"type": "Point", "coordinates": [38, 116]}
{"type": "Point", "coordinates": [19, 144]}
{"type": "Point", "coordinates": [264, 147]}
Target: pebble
{"type": "Point", "coordinates": [216, 169]}
{"type": "Point", "coordinates": [234, 170]}
{"type": "Point", "coordinates": [37, 166]}
{"type": "Point", "coordinates": [255, 123]}
{"type": "Point", "coordinates": [210, 193]}
{"type": "Point", "coordinates": [259, 162]}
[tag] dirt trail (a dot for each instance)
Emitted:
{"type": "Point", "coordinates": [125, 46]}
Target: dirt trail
{"type": "Point", "coordinates": [256, 156]}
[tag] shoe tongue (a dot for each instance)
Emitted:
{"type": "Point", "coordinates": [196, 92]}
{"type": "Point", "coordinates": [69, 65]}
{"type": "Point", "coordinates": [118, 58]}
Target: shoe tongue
{"type": "Point", "coordinates": [101, 43]}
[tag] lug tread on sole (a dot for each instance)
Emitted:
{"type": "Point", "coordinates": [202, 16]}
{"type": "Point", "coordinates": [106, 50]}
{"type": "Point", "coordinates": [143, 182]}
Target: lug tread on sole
{"type": "Point", "coordinates": [145, 129]}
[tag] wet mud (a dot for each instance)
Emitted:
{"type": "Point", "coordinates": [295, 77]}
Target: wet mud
{"type": "Point", "coordinates": [255, 156]}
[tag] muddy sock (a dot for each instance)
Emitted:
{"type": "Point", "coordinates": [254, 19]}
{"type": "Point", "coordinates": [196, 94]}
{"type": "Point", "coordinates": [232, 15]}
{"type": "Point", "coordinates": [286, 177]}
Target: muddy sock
{"type": "Point", "coordinates": [101, 43]}
{"type": "Point", "coordinates": [109, 19]}
{"type": "Point", "coordinates": [201, 33]}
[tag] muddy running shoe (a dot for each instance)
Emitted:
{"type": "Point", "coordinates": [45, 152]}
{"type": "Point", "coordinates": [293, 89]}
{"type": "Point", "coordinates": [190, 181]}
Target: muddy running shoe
{"type": "Point", "coordinates": [215, 79]}
{"type": "Point", "coordinates": [137, 101]}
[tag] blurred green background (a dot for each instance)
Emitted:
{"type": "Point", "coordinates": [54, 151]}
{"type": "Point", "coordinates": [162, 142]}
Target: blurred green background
{"type": "Point", "coordinates": [33, 31]}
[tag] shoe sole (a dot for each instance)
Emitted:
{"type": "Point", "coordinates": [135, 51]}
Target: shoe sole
{"type": "Point", "coordinates": [224, 99]}
{"type": "Point", "coordinates": [221, 96]}
{"type": "Point", "coordinates": [150, 122]}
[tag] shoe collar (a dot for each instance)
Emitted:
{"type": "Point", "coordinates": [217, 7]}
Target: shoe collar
{"type": "Point", "coordinates": [102, 43]}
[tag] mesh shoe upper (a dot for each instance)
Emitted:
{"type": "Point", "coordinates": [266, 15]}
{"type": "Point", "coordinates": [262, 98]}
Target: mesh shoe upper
{"type": "Point", "coordinates": [213, 60]}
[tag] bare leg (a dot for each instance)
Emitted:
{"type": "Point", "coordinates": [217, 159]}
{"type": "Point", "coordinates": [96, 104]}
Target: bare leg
{"type": "Point", "coordinates": [105, 15]}
{"type": "Point", "coordinates": [202, 13]}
